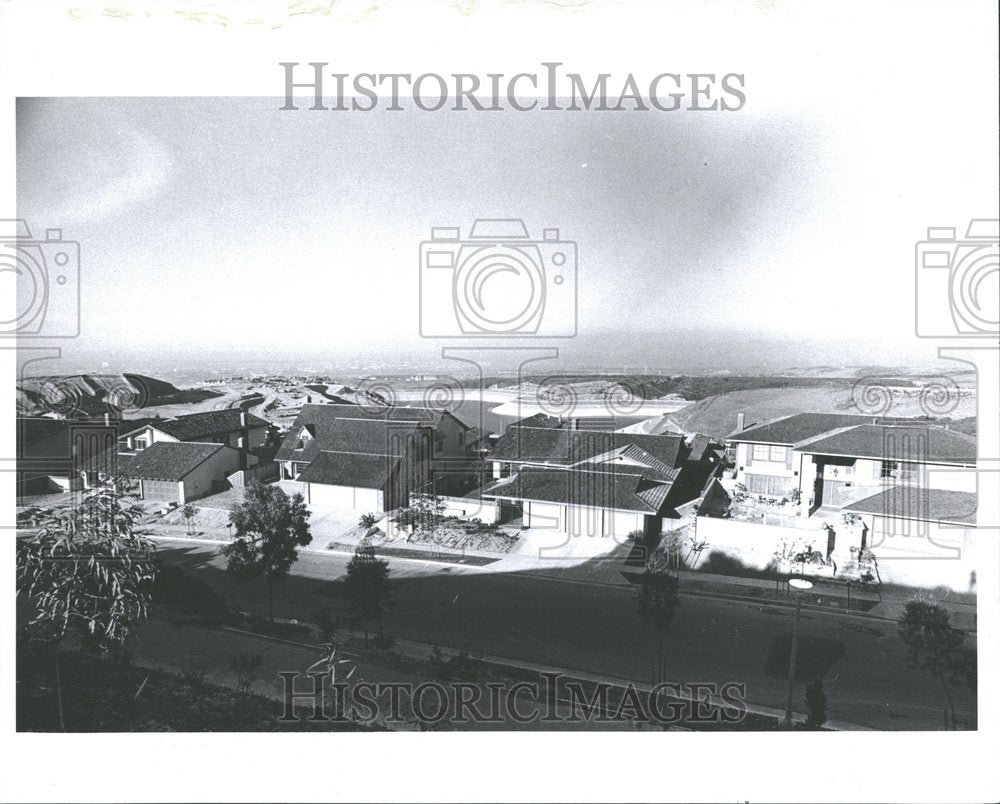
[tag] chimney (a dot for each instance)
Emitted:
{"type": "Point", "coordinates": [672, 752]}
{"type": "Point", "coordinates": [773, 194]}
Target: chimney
{"type": "Point", "coordinates": [741, 421]}
{"type": "Point", "coordinates": [243, 418]}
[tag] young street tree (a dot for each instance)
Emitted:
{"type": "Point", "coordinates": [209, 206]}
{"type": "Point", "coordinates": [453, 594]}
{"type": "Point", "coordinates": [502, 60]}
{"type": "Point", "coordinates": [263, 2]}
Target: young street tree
{"type": "Point", "coordinates": [367, 585]}
{"type": "Point", "coordinates": [189, 512]}
{"type": "Point", "coordinates": [815, 703]}
{"type": "Point", "coordinates": [270, 527]}
{"type": "Point", "coordinates": [87, 571]}
{"type": "Point", "coordinates": [933, 645]}
{"type": "Point", "coordinates": [657, 600]}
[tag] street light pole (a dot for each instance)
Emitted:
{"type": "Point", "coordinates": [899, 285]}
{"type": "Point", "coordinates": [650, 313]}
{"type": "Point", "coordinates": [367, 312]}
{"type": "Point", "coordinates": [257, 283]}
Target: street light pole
{"type": "Point", "coordinates": [801, 585]}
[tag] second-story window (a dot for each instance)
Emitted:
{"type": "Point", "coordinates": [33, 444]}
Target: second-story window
{"type": "Point", "coordinates": [769, 452]}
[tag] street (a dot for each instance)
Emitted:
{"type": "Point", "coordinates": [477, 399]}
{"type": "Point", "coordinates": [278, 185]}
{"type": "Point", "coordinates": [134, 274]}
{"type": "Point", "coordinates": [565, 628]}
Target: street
{"type": "Point", "coordinates": [594, 628]}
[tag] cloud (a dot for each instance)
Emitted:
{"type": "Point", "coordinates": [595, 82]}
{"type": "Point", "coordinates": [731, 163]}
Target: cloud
{"type": "Point", "coordinates": [132, 172]}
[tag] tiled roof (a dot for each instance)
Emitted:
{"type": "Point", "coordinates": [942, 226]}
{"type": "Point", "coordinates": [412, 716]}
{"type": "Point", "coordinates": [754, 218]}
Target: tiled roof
{"type": "Point", "coordinates": [922, 504]}
{"type": "Point", "coordinates": [567, 447]}
{"type": "Point", "coordinates": [630, 458]}
{"type": "Point", "coordinates": [927, 444]}
{"type": "Point", "coordinates": [43, 439]}
{"type": "Point", "coordinates": [166, 460]}
{"type": "Point", "coordinates": [618, 490]}
{"type": "Point", "coordinates": [698, 443]}
{"type": "Point", "coordinates": [348, 469]}
{"type": "Point", "coordinates": [332, 432]}
{"type": "Point", "coordinates": [396, 413]}
{"type": "Point", "coordinates": [196, 426]}
{"type": "Point", "coordinates": [793, 429]}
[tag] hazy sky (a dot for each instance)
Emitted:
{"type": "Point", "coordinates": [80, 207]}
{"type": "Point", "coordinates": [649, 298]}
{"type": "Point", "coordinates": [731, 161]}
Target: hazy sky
{"type": "Point", "coordinates": [780, 236]}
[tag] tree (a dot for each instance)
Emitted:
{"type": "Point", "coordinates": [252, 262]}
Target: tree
{"type": "Point", "coordinates": [934, 646]}
{"type": "Point", "coordinates": [815, 703]}
{"type": "Point", "coordinates": [88, 571]}
{"type": "Point", "coordinates": [367, 585]}
{"type": "Point", "coordinates": [367, 522]}
{"type": "Point", "coordinates": [270, 527]}
{"type": "Point", "coordinates": [189, 512]}
{"type": "Point", "coordinates": [657, 600]}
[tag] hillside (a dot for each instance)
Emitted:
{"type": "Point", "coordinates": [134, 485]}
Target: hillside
{"type": "Point", "coordinates": [88, 394]}
{"type": "Point", "coordinates": [716, 415]}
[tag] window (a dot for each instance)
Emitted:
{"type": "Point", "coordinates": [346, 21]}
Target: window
{"type": "Point", "coordinates": [769, 452]}
{"type": "Point", "coordinates": [771, 485]}
{"type": "Point", "coordinates": [140, 444]}
{"type": "Point", "coordinates": [888, 469]}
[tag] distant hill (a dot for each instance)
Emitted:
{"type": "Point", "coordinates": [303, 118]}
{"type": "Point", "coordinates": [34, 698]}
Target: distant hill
{"type": "Point", "coordinates": [716, 415]}
{"type": "Point", "coordinates": [92, 394]}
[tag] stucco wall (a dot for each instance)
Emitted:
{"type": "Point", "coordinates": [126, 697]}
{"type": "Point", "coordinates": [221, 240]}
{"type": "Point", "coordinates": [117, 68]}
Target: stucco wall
{"type": "Point", "coordinates": [199, 482]}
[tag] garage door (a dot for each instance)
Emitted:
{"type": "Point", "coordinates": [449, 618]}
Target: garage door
{"type": "Point", "coordinates": [344, 497]}
{"type": "Point", "coordinates": [165, 490]}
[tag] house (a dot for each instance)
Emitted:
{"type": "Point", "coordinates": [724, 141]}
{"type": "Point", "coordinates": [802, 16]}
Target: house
{"type": "Point", "coordinates": [872, 496]}
{"type": "Point", "coordinates": [233, 427]}
{"type": "Point", "coordinates": [849, 464]}
{"type": "Point", "coordinates": [171, 471]}
{"type": "Point", "coordinates": [595, 483]}
{"type": "Point", "coordinates": [371, 458]}
{"type": "Point", "coordinates": [52, 453]}
{"type": "Point", "coordinates": [765, 456]}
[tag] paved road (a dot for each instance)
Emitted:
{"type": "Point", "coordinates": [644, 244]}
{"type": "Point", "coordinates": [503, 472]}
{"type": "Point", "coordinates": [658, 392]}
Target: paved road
{"type": "Point", "coordinates": [594, 628]}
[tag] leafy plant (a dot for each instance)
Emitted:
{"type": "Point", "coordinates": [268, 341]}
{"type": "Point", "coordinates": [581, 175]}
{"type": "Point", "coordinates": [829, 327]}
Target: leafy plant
{"type": "Point", "coordinates": [247, 668]}
{"type": "Point", "coordinates": [270, 527]}
{"type": "Point", "coordinates": [367, 522]}
{"type": "Point", "coordinates": [657, 600]}
{"type": "Point", "coordinates": [366, 585]}
{"type": "Point", "coordinates": [189, 512]}
{"type": "Point", "coordinates": [89, 571]}
{"type": "Point", "coordinates": [934, 646]}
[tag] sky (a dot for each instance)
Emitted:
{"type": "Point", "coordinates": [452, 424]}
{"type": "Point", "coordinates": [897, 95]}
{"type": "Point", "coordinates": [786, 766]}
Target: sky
{"type": "Point", "coordinates": [217, 229]}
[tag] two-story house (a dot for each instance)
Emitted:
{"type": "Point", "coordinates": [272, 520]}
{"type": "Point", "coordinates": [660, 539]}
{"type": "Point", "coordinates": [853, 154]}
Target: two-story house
{"type": "Point", "coordinates": [232, 427]}
{"type": "Point", "coordinates": [370, 458]}
{"type": "Point", "coordinates": [595, 483]}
